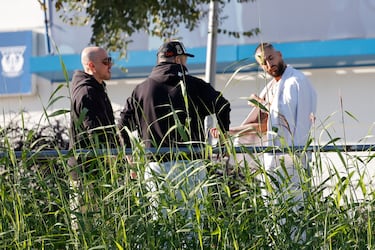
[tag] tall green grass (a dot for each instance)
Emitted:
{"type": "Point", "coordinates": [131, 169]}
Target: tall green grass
{"type": "Point", "coordinates": [225, 210]}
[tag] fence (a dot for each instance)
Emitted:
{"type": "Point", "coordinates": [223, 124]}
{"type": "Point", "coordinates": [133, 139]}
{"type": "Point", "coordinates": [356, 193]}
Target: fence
{"type": "Point", "coordinates": [240, 149]}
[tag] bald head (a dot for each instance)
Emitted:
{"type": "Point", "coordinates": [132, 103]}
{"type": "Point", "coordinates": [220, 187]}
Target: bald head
{"type": "Point", "coordinates": [91, 54]}
{"type": "Point", "coordinates": [96, 62]}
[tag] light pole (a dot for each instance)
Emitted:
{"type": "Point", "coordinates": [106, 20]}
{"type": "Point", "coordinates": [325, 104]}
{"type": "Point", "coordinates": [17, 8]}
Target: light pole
{"type": "Point", "coordinates": [211, 57]}
{"type": "Point", "coordinates": [212, 43]}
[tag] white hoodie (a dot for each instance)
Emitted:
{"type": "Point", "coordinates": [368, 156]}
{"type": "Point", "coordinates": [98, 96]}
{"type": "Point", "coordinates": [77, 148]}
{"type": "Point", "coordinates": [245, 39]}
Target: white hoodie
{"type": "Point", "coordinates": [290, 115]}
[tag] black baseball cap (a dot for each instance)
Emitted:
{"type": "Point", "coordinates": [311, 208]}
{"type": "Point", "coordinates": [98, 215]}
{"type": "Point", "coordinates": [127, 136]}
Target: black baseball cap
{"type": "Point", "coordinates": [172, 48]}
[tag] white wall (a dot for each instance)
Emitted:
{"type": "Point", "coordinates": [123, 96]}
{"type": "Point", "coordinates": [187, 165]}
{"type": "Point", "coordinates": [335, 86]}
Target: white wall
{"type": "Point", "coordinates": [353, 86]}
{"type": "Point", "coordinates": [21, 15]}
{"type": "Point", "coordinates": [279, 21]}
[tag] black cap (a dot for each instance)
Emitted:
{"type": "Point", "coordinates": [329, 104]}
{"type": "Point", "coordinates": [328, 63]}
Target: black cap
{"type": "Point", "coordinates": [172, 48]}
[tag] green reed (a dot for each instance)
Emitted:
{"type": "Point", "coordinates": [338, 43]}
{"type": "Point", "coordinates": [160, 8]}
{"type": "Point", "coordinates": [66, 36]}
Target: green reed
{"type": "Point", "coordinates": [225, 209]}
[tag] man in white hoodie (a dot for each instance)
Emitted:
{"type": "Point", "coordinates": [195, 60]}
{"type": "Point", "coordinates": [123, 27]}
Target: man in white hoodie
{"type": "Point", "coordinates": [290, 98]}
{"type": "Point", "coordinates": [284, 113]}
{"type": "Point", "coordinates": [291, 102]}
{"type": "Point", "coordinates": [282, 119]}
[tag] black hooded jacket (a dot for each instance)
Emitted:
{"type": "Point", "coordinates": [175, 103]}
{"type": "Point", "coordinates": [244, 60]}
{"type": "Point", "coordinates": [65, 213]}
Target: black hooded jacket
{"type": "Point", "coordinates": [91, 110]}
{"type": "Point", "coordinates": [169, 108]}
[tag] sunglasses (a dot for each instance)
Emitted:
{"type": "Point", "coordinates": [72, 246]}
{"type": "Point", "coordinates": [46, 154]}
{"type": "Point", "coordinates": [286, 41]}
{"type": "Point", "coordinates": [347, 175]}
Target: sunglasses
{"type": "Point", "coordinates": [107, 61]}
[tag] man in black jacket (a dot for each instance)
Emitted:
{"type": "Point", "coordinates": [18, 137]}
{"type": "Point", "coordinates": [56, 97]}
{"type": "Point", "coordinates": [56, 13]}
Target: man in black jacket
{"type": "Point", "coordinates": [92, 124]}
{"type": "Point", "coordinates": [170, 106]}
{"type": "Point", "coordinates": [168, 110]}
{"type": "Point", "coordinates": [92, 119]}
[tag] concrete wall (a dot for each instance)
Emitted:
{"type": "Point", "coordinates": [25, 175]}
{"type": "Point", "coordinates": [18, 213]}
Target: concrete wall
{"type": "Point", "coordinates": [345, 100]}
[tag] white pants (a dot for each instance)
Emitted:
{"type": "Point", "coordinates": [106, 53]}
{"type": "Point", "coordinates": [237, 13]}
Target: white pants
{"type": "Point", "coordinates": [183, 180]}
{"type": "Point", "coordinates": [290, 173]}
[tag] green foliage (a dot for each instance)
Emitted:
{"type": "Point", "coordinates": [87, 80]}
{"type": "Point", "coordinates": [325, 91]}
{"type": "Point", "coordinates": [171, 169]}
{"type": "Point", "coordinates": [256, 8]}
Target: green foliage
{"type": "Point", "coordinates": [104, 207]}
{"type": "Point", "coordinates": [225, 209]}
{"type": "Point", "coordinates": [44, 206]}
{"type": "Point", "coordinates": [114, 21]}
{"type": "Point", "coordinates": [35, 137]}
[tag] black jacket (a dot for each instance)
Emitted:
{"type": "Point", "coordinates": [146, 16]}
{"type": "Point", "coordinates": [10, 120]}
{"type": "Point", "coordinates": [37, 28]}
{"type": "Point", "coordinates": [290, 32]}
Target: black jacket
{"type": "Point", "coordinates": [90, 109]}
{"type": "Point", "coordinates": [158, 108]}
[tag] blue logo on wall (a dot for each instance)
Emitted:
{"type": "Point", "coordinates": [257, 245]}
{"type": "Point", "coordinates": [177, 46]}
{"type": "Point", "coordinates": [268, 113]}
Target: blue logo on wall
{"type": "Point", "coordinates": [15, 54]}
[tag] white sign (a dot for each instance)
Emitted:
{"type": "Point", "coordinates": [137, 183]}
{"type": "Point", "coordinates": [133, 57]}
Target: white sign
{"type": "Point", "coordinates": [12, 60]}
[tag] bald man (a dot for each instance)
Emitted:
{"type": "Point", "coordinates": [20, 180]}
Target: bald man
{"type": "Point", "coordinates": [92, 124]}
{"type": "Point", "coordinates": [92, 119]}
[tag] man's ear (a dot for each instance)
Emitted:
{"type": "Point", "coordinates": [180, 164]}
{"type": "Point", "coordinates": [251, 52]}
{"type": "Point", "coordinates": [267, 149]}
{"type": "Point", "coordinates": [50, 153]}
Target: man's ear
{"type": "Point", "coordinates": [91, 66]}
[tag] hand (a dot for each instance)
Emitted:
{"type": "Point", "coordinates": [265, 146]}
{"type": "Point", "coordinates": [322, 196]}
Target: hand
{"type": "Point", "coordinates": [214, 132]}
{"type": "Point", "coordinates": [133, 174]}
{"type": "Point", "coordinates": [256, 98]}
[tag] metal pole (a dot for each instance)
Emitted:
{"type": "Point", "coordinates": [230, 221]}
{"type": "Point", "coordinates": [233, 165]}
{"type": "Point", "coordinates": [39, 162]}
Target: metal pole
{"type": "Point", "coordinates": [212, 43]}
{"type": "Point", "coordinates": [211, 57]}
{"type": "Point", "coordinates": [46, 25]}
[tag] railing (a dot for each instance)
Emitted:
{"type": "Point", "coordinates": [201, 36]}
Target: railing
{"type": "Point", "coordinates": [240, 149]}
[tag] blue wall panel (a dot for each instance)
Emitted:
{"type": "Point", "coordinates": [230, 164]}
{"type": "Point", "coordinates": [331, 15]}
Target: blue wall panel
{"type": "Point", "coordinates": [15, 54]}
